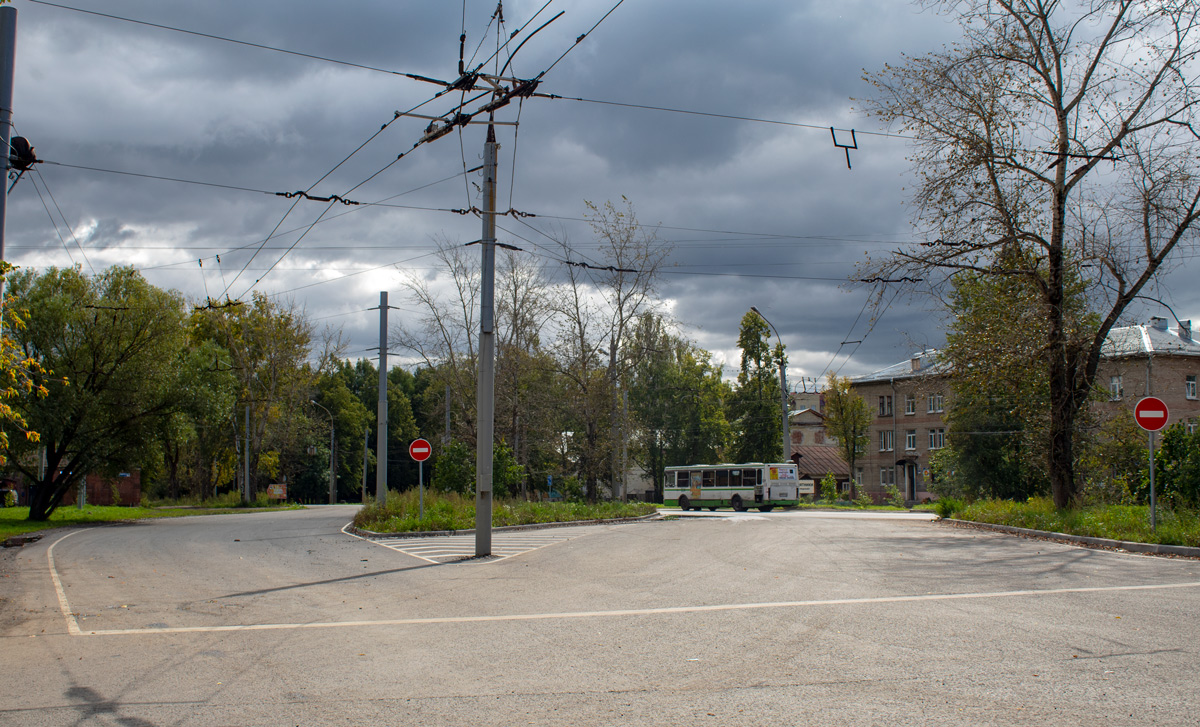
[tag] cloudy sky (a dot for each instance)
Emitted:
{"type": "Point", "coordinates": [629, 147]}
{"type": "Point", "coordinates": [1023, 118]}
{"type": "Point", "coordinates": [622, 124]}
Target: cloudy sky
{"type": "Point", "coordinates": [763, 214]}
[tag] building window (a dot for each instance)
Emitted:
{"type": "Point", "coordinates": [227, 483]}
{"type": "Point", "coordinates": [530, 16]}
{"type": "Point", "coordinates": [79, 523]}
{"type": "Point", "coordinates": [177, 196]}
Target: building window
{"type": "Point", "coordinates": [1191, 426]}
{"type": "Point", "coordinates": [910, 439]}
{"type": "Point", "coordinates": [885, 406]}
{"type": "Point", "coordinates": [910, 403]}
{"type": "Point", "coordinates": [937, 438]}
{"type": "Point", "coordinates": [1115, 388]}
{"type": "Point", "coordinates": [887, 440]}
{"type": "Point", "coordinates": [887, 476]}
{"type": "Point", "coordinates": [936, 404]}
{"type": "Point", "coordinates": [819, 437]}
{"type": "Point", "coordinates": [1189, 386]}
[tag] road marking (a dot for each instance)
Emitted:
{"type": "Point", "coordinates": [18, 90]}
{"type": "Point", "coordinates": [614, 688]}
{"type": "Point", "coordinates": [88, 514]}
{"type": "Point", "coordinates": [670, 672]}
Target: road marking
{"type": "Point", "coordinates": [72, 623]}
{"type": "Point", "coordinates": [625, 613]}
{"type": "Point", "coordinates": [505, 544]}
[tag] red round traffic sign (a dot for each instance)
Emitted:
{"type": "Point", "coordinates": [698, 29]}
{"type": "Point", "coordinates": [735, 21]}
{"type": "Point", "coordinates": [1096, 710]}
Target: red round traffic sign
{"type": "Point", "coordinates": [420, 450]}
{"type": "Point", "coordinates": [1151, 414]}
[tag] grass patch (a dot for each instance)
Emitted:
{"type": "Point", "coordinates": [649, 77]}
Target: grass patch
{"type": "Point", "coordinates": [1115, 522]}
{"type": "Point", "coordinates": [13, 519]}
{"type": "Point", "coordinates": [455, 512]}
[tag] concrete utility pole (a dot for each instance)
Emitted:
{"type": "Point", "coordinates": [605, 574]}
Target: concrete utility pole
{"type": "Point", "coordinates": [8, 59]}
{"type": "Point", "coordinates": [787, 435]}
{"type": "Point", "coordinates": [381, 416]}
{"type": "Point", "coordinates": [485, 403]}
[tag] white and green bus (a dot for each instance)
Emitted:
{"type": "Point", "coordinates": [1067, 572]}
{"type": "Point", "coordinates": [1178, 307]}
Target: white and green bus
{"type": "Point", "coordinates": [740, 486]}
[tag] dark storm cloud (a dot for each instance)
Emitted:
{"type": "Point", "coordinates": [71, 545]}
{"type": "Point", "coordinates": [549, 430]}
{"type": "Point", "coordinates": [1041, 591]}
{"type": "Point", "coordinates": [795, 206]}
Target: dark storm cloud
{"type": "Point", "coordinates": [764, 200]}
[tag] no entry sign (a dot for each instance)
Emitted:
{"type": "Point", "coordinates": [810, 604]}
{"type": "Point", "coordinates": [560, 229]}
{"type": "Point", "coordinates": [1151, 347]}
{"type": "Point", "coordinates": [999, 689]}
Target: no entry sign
{"type": "Point", "coordinates": [420, 450]}
{"type": "Point", "coordinates": [1151, 414]}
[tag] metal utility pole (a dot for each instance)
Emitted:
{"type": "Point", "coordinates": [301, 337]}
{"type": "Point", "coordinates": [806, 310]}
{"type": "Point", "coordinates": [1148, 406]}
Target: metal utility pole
{"type": "Point", "coordinates": [381, 417]}
{"type": "Point", "coordinates": [485, 403]}
{"type": "Point", "coordinates": [787, 435]}
{"type": "Point", "coordinates": [332, 476]}
{"type": "Point", "coordinates": [8, 59]}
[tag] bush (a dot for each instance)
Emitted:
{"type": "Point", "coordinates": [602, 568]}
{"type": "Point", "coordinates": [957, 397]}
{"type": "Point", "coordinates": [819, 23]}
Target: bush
{"type": "Point", "coordinates": [893, 496]}
{"type": "Point", "coordinates": [10, 498]}
{"type": "Point", "coordinates": [829, 490]}
{"type": "Point", "coordinates": [864, 500]}
{"type": "Point", "coordinates": [947, 506]}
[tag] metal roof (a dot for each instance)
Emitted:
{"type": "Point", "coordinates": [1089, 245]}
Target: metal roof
{"type": "Point", "coordinates": [1154, 338]}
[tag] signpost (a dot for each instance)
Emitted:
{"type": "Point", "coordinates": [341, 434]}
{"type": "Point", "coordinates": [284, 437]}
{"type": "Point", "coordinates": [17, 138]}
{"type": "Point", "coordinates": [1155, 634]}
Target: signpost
{"type": "Point", "coordinates": [420, 449]}
{"type": "Point", "coordinates": [1151, 414]}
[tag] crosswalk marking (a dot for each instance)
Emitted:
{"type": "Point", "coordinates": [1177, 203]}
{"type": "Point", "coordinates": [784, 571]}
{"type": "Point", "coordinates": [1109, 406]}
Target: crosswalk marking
{"type": "Point", "coordinates": [505, 543]}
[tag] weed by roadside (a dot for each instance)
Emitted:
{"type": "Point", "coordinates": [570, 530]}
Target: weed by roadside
{"type": "Point", "coordinates": [449, 511]}
{"type": "Point", "coordinates": [1115, 522]}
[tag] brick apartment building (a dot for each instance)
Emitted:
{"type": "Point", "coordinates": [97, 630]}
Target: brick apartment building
{"type": "Point", "coordinates": [909, 400]}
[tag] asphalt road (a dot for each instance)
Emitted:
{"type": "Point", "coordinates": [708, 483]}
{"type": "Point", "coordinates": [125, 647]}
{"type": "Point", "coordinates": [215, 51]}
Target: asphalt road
{"type": "Point", "coordinates": [778, 619]}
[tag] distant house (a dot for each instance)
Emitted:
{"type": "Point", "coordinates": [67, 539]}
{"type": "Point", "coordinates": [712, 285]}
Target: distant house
{"type": "Point", "coordinates": [818, 461]}
{"type": "Point", "coordinates": [808, 429]}
{"type": "Point", "coordinates": [909, 400]}
{"type": "Point", "coordinates": [124, 488]}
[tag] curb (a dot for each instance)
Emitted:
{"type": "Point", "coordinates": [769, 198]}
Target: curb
{"type": "Point", "coordinates": [1151, 548]}
{"type": "Point", "coordinates": [361, 532]}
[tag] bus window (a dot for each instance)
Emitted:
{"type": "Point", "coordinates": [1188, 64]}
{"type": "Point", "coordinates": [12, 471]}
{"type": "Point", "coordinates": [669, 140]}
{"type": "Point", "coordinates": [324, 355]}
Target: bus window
{"type": "Point", "coordinates": [681, 479]}
{"type": "Point", "coordinates": [722, 478]}
{"type": "Point", "coordinates": [750, 478]}
{"type": "Point", "coordinates": [708, 478]}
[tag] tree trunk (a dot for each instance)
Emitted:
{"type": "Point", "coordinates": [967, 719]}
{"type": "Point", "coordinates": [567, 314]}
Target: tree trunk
{"type": "Point", "coordinates": [45, 499]}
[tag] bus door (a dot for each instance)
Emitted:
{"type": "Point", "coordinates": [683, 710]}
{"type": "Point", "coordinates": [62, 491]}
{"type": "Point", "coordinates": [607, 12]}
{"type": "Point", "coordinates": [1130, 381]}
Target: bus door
{"type": "Point", "coordinates": [695, 483]}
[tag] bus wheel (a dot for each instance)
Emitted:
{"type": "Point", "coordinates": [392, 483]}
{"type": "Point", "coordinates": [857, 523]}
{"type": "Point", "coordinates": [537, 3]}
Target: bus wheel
{"type": "Point", "coordinates": [767, 508]}
{"type": "Point", "coordinates": [736, 503]}
{"type": "Point", "coordinates": [712, 509]}
{"type": "Point", "coordinates": [684, 503]}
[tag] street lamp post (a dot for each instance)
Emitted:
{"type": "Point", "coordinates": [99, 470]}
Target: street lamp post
{"type": "Point", "coordinates": [332, 479]}
{"type": "Point", "coordinates": [787, 435]}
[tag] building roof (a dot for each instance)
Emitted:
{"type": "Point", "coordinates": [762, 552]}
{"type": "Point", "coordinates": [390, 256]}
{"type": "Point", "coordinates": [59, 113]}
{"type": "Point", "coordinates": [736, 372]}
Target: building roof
{"type": "Point", "coordinates": [924, 363]}
{"type": "Point", "coordinates": [1153, 338]}
{"type": "Point", "coordinates": [816, 462]}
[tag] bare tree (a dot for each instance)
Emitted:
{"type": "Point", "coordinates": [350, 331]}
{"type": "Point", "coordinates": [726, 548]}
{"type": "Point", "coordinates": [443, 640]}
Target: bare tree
{"type": "Point", "coordinates": [1062, 132]}
{"type": "Point", "coordinates": [445, 333]}
{"type": "Point", "coordinates": [628, 285]}
{"type": "Point", "coordinates": [581, 334]}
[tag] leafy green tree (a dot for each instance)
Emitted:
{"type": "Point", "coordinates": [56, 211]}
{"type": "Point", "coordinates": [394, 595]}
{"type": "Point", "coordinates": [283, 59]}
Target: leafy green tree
{"type": "Point", "coordinates": [677, 402]}
{"type": "Point", "coordinates": [18, 371]}
{"type": "Point", "coordinates": [455, 470]}
{"type": "Point", "coordinates": [754, 407]}
{"type": "Point", "coordinates": [1176, 469]}
{"type": "Point", "coordinates": [269, 344]}
{"type": "Point", "coordinates": [847, 419]}
{"type": "Point", "coordinates": [113, 342]}
{"type": "Point", "coordinates": [997, 358]}
{"type": "Point", "coordinates": [198, 433]}
{"type": "Point", "coordinates": [1114, 462]}
{"type": "Point", "coordinates": [1064, 132]}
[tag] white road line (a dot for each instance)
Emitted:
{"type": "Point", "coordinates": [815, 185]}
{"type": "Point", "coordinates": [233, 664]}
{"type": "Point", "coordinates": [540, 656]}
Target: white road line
{"type": "Point", "coordinates": [443, 549]}
{"type": "Point", "coordinates": [634, 611]}
{"type": "Point", "coordinates": [72, 623]}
